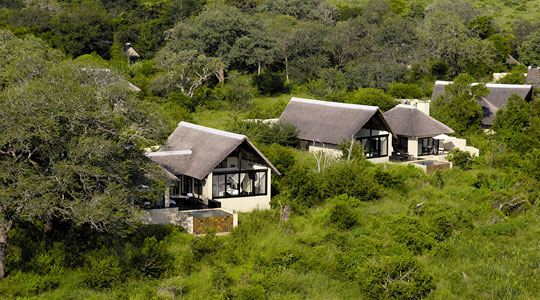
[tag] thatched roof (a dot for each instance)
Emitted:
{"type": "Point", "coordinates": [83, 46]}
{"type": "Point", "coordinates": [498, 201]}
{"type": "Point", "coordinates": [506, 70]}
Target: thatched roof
{"type": "Point", "coordinates": [533, 77]}
{"type": "Point", "coordinates": [130, 51]}
{"type": "Point", "coordinates": [497, 97]}
{"type": "Point", "coordinates": [195, 150]}
{"type": "Point", "coordinates": [331, 122]}
{"type": "Point", "coordinates": [512, 60]}
{"type": "Point", "coordinates": [104, 77]}
{"type": "Point", "coordinates": [407, 120]}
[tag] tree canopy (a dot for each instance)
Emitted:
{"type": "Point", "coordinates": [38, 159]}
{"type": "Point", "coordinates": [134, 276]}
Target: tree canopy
{"type": "Point", "coordinates": [458, 105]}
{"type": "Point", "coordinates": [70, 146]}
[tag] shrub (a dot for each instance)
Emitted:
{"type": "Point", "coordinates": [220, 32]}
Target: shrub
{"type": "Point", "coordinates": [248, 292]}
{"type": "Point", "coordinates": [206, 245]}
{"type": "Point", "coordinates": [342, 216]}
{"type": "Point", "coordinates": [152, 259]}
{"type": "Point", "coordinates": [460, 159]}
{"type": "Point", "coordinates": [355, 179]}
{"type": "Point", "coordinates": [21, 284]}
{"type": "Point", "coordinates": [405, 91]}
{"type": "Point", "coordinates": [300, 188]}
{"type": "Point", "coordinates": [237, 91]}
{"type": "Point", "coordinates": [102, 270]}
{"type": "Point", "coordinates": [281, 157]}
{"type": "Point", "coordinates": [268, 133]}
{"type": "Point", "coordinates": [412, 232]}
{"type": "Point", "coordinates": [371, 96]}
{"type": "Point", "coordinates": [269, 83]}
{"type": "Point", "coordinates": [395, 277]}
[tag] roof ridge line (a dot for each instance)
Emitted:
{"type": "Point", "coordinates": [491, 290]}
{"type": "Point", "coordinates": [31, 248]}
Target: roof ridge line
{"type": "Point", "coordinates": [213, 130]}
{"type": "Point", "coordinates": [334, 104]}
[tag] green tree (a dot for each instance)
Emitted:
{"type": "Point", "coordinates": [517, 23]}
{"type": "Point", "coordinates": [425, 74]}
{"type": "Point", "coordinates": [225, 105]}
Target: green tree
{"type": "Point", "coordinates": [513, 78]}
{"type": "Point", "coordinates": [447, 39]}
{"type": "Point", "coordinates": [22, 60]}
{"type": "Point", "coordinates": [482, 26]}
{"type": "Point", "coordinates": [386, 47]}
{"type": "Point", "coordinates": [529, 50]}
{"type": "Point", "coordinates": [405, 91]}
{"type": "Point", "coordinates": [237, 91]}
{"type": "Point", "coordinates": [371, 96]}
{"type": "Point", "coordinates": [458, 105]}
{"type": "Point", "coordinates": [185, 70]}
{"type": "Point", "coordinates": [501, 46]}
{"type": "Point", "coordinates": [256, 49]}
{"type": "Point", "coordinates": [70, 148]}
{"type": "Point", "coordinates": [82, 30]}
{"type": "Point", "coordinates": [280, 30]}
{"type": "Point", "coordinates": [512, 125]}
{"type": "Point", "coordinates": [212, 33]}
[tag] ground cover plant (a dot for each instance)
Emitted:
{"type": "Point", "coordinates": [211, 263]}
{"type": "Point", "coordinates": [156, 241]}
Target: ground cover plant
{"type": "Point", "coordinates": [356, 230]}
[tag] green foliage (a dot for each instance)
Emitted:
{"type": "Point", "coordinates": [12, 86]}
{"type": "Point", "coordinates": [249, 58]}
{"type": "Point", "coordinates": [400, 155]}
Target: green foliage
{"type": "Point", "coordinates": [268, 133]}
{"type": "Point", "coordinates": [528, 50]}
{"type": "Point", "coordinates": [501, 46]}
{"type": "Point", "coordinates": [513, 78]}
{"type": "Point", "coordinates": [282, 158]}
{"type": "Point", "coordinates": [458, 105]}
{"type": "Point", "coordinates": [103, 271]}
{"type": "Point", "coordinates": [82, 30]}
{"type": "Point", "coordinates": [269, 83]}
{"type": "Point", "coordinates": [531, 163]}
{"type": "Point", "coordinates": [237, 91]}
{"type": "Point", "coordinates": [400, 90]}
{"type": "Point", "coordinates": [482, 26]}
{"type": "Point", "coordinates": [460, 159]}
{"type": "Point", "coordinates": [412, 232]}
{"type": "Point", "coordinates": [355, 179]}
{"type": "Point", "coordinates": [205, 246]}
{"type": "Point", "coordinates": [371, 96]}
{"type": "Point", "coordinates": [23, 285]}
{"type": "Point", "coordinates": [513, 125]}
{"type": "Point", "coordinates": [300, 188]}
{"type": "Point", "coordinates": [351, 150]}
{"type": "Point", "coordinates": [396, 277]}
{"type": "Point", "coordinates": [342, 216]}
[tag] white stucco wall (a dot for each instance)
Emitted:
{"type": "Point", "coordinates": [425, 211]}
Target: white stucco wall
{"type": "Point", "coordinates": [412, 146]}
{"type": "Point", "coordinates": [162, 216]}
{"type": "Point", "coordinates": [245, 204]}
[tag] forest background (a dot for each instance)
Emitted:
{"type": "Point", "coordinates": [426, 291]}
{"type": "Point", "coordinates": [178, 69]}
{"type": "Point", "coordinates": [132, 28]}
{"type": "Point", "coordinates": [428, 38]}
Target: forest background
{"type": "Point", "coordinates": [357, 230]}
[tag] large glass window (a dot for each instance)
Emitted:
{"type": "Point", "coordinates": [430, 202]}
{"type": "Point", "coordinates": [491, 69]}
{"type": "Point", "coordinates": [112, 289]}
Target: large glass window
{"type": "Point", "coordinates": [375, 146]}
{"type": "Point", "coordinates": [187, 187]}
{"type": "Point", "coordinates": [238, 184]}
{"type": "Point", "coordinates": [428, 146]}
{"type": "Point", "coordinates": [198, 187]}
{"type": "Point", "coordinates": [401, 145]}
{"type": "Point", "coordinates": [175, 189]}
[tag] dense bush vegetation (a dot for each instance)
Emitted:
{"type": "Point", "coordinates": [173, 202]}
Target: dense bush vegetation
{"type": "Point", "coordinates": [356, 230]}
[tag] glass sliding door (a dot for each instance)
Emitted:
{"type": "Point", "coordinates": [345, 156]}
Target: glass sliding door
{"type": "Point", "coordinates": [428, 146]}
{"type": "Point", "coordinates": [375, 146]}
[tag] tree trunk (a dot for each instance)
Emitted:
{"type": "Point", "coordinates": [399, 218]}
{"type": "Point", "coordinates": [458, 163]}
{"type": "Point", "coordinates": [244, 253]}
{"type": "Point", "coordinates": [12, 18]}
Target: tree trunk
{"type": "Point", "coordinates": [220, 74]}
{"type": "Point", "coordinates": [3, 239]}
{"type": "Point", "coordinates": [48, 226]}
{"type": "Point", "coordinates": [287, 69]}
{"type": "Point", "coordinates": [284, 213]}
{"type": "Point", "coordinates": [259, 69]}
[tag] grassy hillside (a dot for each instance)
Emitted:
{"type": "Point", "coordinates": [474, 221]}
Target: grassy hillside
{"type": "Point", "coordinates": [437, 237]}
